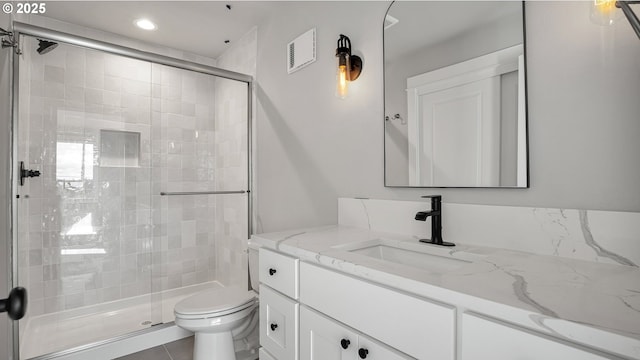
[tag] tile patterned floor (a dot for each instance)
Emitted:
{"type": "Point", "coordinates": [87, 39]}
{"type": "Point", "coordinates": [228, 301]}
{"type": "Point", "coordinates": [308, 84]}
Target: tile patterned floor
{"type": "Point", "coordinates": [176, 350]}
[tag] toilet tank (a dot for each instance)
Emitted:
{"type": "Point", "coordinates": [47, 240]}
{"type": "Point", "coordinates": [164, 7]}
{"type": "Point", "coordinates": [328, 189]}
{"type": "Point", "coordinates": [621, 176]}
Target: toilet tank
{"type": "Point", "coordinates": [253, 267]}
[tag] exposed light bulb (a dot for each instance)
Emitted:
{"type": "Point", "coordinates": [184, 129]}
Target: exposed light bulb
{"type": "Point", "coordinates": [603, 12]}
{"type": "Point", "coordinates": [342, 89]}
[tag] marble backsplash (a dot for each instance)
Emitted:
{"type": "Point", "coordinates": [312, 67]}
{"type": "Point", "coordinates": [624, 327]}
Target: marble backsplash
{"type": "Point", "coordinates": [601, 236]}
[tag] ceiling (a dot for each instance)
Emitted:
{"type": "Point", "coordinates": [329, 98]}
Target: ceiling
{"type": "Point", "coordinates": [199, 27]}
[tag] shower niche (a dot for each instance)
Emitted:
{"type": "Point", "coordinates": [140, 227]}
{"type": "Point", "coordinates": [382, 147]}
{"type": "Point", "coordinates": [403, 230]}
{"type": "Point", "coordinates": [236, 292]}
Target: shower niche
{"type": "Point", "coordinates": [119, 148]}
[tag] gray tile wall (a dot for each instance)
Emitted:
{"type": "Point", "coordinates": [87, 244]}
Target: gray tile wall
{"type": "Point", "coordinates": [127, 239]}
{"type": "Point", "coordinates": [85, 229]}
{"type": "Point", "coordinates": [231, 126]}
{"type": "Point", "coordinates": [184, 159]}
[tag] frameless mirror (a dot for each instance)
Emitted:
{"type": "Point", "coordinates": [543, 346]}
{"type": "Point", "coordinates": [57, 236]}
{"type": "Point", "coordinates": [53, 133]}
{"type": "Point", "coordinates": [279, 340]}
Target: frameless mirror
{"type": "Point", "coordinates": [455, 94]}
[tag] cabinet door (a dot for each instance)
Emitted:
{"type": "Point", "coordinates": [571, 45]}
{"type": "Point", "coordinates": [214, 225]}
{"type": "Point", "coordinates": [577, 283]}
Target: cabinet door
{"type": "Point", "coordinates": [486, 339]}
{"type": "Point", "coordinates": [278, 324]}
{"type": "Point", "coordinates": [323, 339]}
{"type": "Point", "coordinates": [264, 355]}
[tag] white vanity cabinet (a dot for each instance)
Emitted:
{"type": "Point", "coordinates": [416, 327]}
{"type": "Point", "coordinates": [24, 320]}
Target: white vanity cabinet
{"type": "Point", "coordinates": [322, 338]}
{"type": "Point", "coordinates": [312, 312]}
{"type": "Point", "coordinates": [279, 307]}
{"type": "Point", "coordinates": [484, 338]}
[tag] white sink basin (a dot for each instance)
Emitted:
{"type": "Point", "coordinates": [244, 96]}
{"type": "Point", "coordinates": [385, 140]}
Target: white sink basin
{"type": "Point", "coordinates": [418, 255]}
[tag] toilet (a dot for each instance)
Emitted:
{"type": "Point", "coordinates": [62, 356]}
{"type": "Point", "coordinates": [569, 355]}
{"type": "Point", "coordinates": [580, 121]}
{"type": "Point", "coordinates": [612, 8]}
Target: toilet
{"type": "Point", "coordinates": [222, 319]}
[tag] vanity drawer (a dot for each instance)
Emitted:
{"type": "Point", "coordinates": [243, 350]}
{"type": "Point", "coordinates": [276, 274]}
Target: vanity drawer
{"type": "Point", "coordinates": [278, 324]}
{"type": "Point", "coordinates": [280, 272]}
{"type": "Point", "coordinates": [417, 327]}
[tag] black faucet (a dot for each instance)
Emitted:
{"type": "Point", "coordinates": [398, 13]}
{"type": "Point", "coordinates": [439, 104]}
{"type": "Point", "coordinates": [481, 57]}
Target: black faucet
{"type": "Point", "coordinates": [436, 221]}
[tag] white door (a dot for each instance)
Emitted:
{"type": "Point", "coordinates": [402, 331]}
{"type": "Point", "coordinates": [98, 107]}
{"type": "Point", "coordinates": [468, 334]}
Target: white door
{"type": "Point", "coordinates": [323, 339]}
{"type": "Point", "coordinates": [456, 135]}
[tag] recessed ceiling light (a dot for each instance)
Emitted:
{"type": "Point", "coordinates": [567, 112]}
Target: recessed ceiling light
{"type": "Point", "coordinates": [145, 24]}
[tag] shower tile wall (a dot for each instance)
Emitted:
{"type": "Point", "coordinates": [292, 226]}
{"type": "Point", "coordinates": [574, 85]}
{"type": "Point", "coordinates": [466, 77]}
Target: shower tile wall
{"type": "Point", "coordinates": [183, 156]}
{"type": "Point", "coordinates": [90, 233]}
{"type": "Point", "coordinates": [231, 164]}
{"type": "Point", "coordinates": [84, 229]}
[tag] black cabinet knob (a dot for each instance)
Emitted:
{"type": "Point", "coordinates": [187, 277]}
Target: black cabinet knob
{"type": "Point", "coordinates": [272, 271]}
{"type": "Point", "coordinates": [362, 352]}
{"type": "Point", "coordinates": [274, 327]}
{"type": "Point", "coordinates": [345, 343]}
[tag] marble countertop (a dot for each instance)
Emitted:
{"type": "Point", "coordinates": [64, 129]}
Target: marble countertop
{"type": "Point", "coordinates": [595, 304]}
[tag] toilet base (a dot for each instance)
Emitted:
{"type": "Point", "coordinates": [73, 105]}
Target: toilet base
{"type": "Point", "coordinates": [214, 346]}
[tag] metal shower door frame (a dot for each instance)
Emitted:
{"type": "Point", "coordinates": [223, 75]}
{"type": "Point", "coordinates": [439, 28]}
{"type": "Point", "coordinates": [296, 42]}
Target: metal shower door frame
{"type": "Point", "coordinates": [36, 31]}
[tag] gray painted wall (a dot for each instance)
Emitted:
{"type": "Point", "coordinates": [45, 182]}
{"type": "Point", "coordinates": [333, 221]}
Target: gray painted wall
{"type": "Point", "coordinates": [312, 147]}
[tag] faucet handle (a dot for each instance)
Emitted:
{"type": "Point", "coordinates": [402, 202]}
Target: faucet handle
{"type": "Point", "coordinates": [432, 197]}
{"type": "Point", "coordinates": [436, 200]}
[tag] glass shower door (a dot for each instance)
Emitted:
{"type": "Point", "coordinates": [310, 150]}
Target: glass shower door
{"type": "Point", "coordinates": [200, 183]}
{"type": "Point", "coordinates": [84, 224]}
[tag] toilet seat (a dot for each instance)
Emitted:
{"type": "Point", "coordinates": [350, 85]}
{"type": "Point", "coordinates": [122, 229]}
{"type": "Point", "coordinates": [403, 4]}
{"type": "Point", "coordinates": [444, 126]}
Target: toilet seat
{"type": "Point", "coordinates": [215, 303]}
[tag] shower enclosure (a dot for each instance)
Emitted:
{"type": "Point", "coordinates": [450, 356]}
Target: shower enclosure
{"type": "Point", "coordinates": [139, 193]}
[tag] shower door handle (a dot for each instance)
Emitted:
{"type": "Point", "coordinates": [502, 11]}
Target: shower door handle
{"type": "Point", "coordinates": [25, 173]}
{"type": "Point", "coordinates": [16, 304]}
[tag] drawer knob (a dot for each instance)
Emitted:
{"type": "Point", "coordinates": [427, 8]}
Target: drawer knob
{"type": "Point", "coordinates": [362, 352]}
{"type": "Point", "coordinates": [274, 327]}
{"type": "Point", "coordinates": [272, 271]}
{"type": "Point", "coordinates": [345, 343]}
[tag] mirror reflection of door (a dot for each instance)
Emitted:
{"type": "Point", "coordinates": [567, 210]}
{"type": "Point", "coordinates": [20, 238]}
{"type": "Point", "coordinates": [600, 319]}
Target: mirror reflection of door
{"type": "Point", "coordinates": [449, 123]}
{"type": "Point", "coordinates": [462, 120]}
{"type": "Point", "coordinates": [456, 135]}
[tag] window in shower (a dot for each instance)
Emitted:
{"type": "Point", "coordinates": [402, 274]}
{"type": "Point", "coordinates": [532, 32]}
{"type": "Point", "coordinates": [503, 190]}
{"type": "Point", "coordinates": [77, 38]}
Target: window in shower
{"type": "Point", "coordinates": [74, 161]}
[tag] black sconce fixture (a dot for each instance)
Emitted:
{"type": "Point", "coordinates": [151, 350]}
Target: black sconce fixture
{"type": "Point", "coordinates": [349, 66]}
{"type": "Point", "coordinates": [631, 16]}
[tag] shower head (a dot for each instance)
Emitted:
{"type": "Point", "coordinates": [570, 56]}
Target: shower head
{"type": "Point", "coordinates": [45, 46]}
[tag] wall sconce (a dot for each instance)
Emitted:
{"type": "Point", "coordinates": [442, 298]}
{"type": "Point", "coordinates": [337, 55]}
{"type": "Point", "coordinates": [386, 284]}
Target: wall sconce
{"type": "Point", "coordinates": [602, 12]}
{"type": "Point", "coordinates": [349, 66]}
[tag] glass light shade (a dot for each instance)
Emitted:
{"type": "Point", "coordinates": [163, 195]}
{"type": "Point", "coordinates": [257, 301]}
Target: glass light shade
{"type": "Point", "coordinates": [603, 12]}
{"type": "Point", "coordinates": [342, 88]}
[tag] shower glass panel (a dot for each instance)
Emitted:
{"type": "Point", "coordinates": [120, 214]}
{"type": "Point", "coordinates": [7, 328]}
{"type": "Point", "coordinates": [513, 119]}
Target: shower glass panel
{"type": "Point", "coordinates": [142, 198]}
{"type": "Point", "coordinates": [84, 226]}
{"type": "Point", "coordinates": [199, 146]}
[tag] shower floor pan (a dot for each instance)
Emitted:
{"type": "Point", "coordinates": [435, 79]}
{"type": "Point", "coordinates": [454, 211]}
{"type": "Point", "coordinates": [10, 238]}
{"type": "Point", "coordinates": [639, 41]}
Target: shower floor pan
{"type": "Point", "coordinates": [55, 332]}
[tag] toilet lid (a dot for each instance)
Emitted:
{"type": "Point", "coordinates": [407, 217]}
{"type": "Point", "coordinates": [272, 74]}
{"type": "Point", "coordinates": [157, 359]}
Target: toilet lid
{"type": "Point", "coordinates": [215, 300]}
